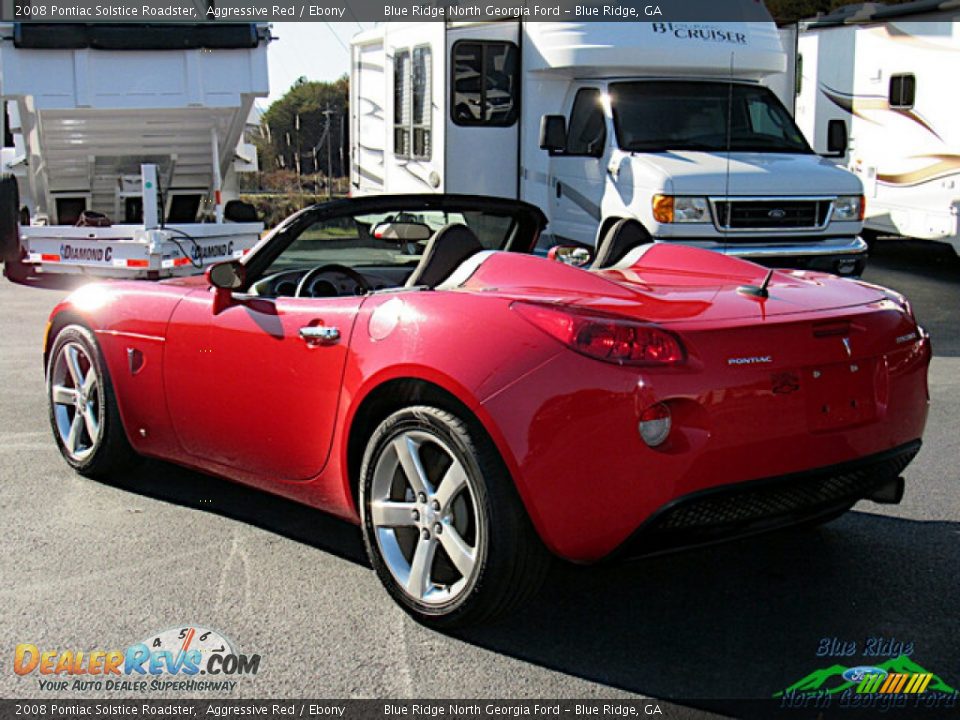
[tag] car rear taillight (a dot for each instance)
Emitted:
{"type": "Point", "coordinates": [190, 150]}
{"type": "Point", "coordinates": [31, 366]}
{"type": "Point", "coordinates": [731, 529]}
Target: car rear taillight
{"type": "Point", "coordinates": [612, 339]}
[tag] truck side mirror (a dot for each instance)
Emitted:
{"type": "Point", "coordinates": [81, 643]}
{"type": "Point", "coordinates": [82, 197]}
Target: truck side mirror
{"type": "Point", "coordinates": [836, 138]}
{"type": "Point", "coordinates": [553, 133]}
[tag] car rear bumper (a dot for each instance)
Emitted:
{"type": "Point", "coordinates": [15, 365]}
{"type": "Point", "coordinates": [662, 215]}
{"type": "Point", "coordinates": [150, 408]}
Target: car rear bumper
{"type": "Point", "coordinates": [758, 506]}
{"type": "Point", "coordinates": [569, 432]}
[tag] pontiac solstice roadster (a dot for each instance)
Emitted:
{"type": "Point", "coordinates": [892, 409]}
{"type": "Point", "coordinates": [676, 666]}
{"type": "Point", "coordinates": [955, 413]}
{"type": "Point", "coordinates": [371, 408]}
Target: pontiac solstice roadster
{"type": "Point", "coordinates": [408, 363]}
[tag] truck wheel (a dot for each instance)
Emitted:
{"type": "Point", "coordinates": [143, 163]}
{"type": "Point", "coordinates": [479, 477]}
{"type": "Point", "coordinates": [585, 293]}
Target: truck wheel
{"type": "Point", "coordinates": [9, 219]}
{"type": "Point", "coordinates": [17, 271]}
{"type": "Point", "coordinates": [443, 525]}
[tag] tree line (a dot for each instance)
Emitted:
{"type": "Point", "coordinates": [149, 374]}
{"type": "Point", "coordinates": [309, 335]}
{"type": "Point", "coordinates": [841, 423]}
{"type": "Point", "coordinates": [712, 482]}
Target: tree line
{"type": "Point", "coordinates": [788, 11]}
{"type": "Point", "coordinates": [305, 131]}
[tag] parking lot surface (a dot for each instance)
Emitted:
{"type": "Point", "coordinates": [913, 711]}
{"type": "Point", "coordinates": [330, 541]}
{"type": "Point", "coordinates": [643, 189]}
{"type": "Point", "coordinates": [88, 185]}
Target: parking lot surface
{"type": "Point", "coordinates": [94, 565]}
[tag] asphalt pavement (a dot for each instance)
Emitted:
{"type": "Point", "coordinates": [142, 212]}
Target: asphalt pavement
{"type": "Point", "coordinates": [93, 565]}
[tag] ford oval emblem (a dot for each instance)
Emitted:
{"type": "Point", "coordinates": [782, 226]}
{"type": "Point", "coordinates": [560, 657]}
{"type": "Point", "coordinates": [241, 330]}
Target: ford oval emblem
{"type": "Point", "coordinates": [856, 674]}
{"type": "Point", "coordinates": [777, 214]}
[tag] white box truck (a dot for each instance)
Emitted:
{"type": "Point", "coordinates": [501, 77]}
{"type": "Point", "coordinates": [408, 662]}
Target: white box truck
{"type": "Point", "coordinates": [667, 123]}
{"type": "Point", "coordinates": [125, 140]}
{"type": "Point", "coordinates": [886, 72]}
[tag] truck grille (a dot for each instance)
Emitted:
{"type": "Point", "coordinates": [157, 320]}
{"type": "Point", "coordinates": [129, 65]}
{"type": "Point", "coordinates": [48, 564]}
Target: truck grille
{"type": "Point", "coordinates": [772, 214]}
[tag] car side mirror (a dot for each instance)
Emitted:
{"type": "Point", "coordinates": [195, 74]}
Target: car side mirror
{"type": "Point", "coordinates": [225, 277]}
{"type": "Point", "coordinates": [575, 255]}
{"type": "Point", "coordinates": [836, 138]}
{"type": "Point", "coordinates": [553, 134]}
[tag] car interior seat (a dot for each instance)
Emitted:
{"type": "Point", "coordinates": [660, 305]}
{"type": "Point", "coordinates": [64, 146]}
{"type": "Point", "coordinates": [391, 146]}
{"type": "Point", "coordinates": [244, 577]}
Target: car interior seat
{"type": "Point", "coordinates": [622, 237]}
{"type": "Point", "coordinates": [450, 246]}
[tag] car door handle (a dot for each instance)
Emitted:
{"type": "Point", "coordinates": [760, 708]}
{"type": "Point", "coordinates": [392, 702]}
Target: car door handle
{"type": "Point", "coordinates": [320, 334]}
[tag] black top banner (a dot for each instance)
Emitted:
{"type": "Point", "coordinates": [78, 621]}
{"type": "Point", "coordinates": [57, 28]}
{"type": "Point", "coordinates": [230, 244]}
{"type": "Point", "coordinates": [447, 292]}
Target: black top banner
{"type": "Point", "coordinates": [253, 11]}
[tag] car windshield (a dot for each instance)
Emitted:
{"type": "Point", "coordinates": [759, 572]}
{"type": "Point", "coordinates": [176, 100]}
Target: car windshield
{"type": "Point", "coordinates": [384, 240]}
{"type": "Point", "coordinates": [661, 116]}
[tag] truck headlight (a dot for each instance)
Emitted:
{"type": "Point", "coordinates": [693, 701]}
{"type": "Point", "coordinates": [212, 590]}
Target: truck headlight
{"type": "Point", "coordinates": [849, 207]}
{"type": "Point", "coordinates": [680, 209]}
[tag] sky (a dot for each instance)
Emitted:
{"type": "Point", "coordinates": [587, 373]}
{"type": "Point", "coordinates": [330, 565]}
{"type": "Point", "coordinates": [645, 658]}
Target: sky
{"type": "Point", "coordinates": [316, 49]}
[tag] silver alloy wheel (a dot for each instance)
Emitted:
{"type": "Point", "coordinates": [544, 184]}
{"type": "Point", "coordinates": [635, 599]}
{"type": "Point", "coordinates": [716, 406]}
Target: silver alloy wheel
{"type": "Point", "coordinates": [424, 512]}
{"type": "Point", "coordinates": [76, 397]}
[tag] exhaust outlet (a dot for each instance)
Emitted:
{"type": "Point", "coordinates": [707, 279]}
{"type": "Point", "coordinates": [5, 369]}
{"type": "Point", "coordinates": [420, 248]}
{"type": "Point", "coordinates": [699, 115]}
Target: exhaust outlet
{"type": "Point", "coordinates": [890, 493]}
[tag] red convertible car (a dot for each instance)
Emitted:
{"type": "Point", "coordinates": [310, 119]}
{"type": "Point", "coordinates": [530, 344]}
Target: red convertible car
{"type": "Point", "coordinates": [408, 363]}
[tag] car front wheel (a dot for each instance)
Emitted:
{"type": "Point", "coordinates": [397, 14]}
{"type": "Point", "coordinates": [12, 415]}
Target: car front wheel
{"type": "Point", "coordinates": [443, 525]}
{"type": "Point", "coordinates": [83, 409]}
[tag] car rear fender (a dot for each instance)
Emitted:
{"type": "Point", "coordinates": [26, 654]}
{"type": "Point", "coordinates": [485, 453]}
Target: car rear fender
{"type": "Point", "coordinates": [474, 348]}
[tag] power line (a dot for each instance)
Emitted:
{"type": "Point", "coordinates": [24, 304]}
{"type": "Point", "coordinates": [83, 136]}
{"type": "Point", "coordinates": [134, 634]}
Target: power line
{"type": "Point", "coordinates": [333, 32]}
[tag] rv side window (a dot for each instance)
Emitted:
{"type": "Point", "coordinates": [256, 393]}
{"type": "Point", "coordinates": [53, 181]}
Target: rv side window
{"type": "Point", "coordinates": [412, 102]}
{"type": "Point", "coordinates": [903, 91]}
{"type": "Point", "coordinates": [485, 84]}
{"type": "Point", "coordinates": [587, 129]}
{"type": "Point", "coordinates": [422, 102]}
{"type": "Point", "coordinates": [401, 103]}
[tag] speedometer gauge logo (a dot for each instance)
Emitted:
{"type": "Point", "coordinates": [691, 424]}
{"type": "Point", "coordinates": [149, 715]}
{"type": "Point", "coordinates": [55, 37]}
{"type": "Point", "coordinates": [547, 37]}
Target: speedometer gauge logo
{"type": "Point", "coordinates": [191, 638]}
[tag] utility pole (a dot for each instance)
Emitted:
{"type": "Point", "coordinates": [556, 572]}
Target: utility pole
{"type": "Point", "coordinates": [327, 113]}
{"type": "Point", "coordinates": [299, 179]}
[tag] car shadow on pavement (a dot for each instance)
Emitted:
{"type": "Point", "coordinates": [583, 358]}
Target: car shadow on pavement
{"type": "Point", "coordinates": [174, 484]}
{"type": "Point", "coordinates": [701, 627]}
{"type": "Point", "coordinates": [745, 619]}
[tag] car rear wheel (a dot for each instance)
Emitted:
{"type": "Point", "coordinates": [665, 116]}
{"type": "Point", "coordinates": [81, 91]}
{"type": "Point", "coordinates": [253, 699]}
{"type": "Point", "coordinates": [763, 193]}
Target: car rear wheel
{"type": "Point", "coordinates": [442, 522]}
{"type": "Point", "coordinates": [83, 408]}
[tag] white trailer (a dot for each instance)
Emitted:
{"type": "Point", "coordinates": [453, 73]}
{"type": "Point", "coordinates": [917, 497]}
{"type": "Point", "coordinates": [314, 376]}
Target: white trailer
{"type": "Point", "coordinates": [594, 122]}
{"type": "Point", "coordinates": [887, 72]}
{"type": "Point", "coordinates": [126, 143]}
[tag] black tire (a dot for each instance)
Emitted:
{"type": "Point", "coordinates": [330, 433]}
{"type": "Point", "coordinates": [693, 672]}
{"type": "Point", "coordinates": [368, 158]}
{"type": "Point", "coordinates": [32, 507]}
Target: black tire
{"type": "Point", "coordinates": [17, 271]}
{"type": "Point", "coordinates": [9, 219]}
{"type": "Point", "coordinates": [871, 237]}
{"type": "Point", "coordinates": [110, 452]}
{"type": "Point", "coordinates": [510, 560]}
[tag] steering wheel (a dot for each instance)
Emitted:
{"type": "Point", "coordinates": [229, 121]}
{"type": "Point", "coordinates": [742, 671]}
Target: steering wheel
{"type": "Point", "coordinates": [310, 275]}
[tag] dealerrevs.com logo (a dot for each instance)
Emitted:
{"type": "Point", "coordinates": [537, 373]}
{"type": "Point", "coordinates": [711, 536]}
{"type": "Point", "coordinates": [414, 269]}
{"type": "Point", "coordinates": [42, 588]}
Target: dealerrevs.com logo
{"type": "Point", "coordinates": [188, 658]}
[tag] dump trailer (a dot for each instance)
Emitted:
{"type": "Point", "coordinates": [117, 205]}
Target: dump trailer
{"type": "Point", "coordinates": [126, 144]}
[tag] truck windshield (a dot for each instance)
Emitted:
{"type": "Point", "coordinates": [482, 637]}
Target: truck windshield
{"type": "Point", "coordinates": [659, 116]}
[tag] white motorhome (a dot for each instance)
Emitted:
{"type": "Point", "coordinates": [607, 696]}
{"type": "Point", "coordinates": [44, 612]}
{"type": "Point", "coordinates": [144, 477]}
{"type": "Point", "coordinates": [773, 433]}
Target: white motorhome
{"type": "Point", "coordinates": [595, 121]}
{"type": "Point", "coordinates": [890, 74]}
{"type": "Point", "coordinates": [125, 143]}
